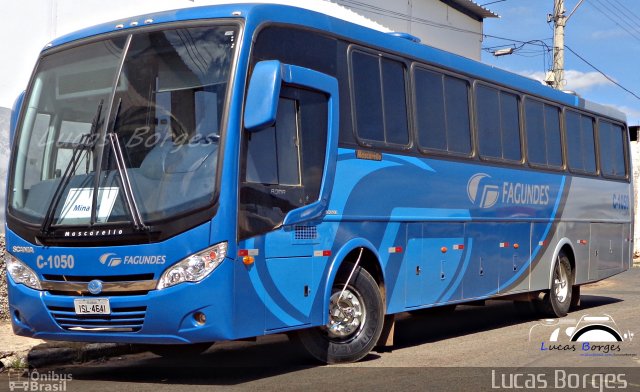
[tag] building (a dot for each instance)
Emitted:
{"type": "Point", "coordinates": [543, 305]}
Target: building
{"type": "Point", "coordinates": [452, 25]}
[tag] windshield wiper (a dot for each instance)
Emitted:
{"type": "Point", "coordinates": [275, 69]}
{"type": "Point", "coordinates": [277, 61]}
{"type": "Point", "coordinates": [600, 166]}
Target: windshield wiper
{"type": "Point", "coordinates": [86, 143]}
{"type": "Point", "coordinates": [132, 206]}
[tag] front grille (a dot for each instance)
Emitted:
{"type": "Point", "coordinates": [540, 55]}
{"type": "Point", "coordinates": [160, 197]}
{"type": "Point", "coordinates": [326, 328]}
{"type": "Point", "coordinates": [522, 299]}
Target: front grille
{"type": "Point", "coordinates": [106, 278]}
{"type": "Point", "coordinates": [123, 319]}
{"type": "Point", "coordinates": [115, 285]}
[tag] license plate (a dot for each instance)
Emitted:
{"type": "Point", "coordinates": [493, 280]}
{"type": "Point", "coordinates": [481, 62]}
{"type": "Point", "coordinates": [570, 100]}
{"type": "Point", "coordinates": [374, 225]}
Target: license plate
{"type": "Point", "coordinates": [92, 306]}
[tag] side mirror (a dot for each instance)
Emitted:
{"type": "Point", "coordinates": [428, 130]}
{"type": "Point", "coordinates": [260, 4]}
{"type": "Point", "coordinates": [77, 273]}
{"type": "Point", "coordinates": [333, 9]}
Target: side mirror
{"type": "Point", "coordinates": [15, 114]}
{"type": "Point", "coordinates": [262, 97]}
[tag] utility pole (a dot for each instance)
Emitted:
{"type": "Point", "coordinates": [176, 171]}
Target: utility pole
{"type": "Point", "coordinates": [555, 77]}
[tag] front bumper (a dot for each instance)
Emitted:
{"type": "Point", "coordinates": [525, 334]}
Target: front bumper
{"type": "Point", "coordinates": [158, 317]}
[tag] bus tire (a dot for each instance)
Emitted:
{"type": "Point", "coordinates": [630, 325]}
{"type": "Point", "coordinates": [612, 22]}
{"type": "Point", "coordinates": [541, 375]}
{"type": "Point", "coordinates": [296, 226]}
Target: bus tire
{"type": "Point", "coordinates": [355, 320]}
{"type": "Point", "coordinates": [557, 301]}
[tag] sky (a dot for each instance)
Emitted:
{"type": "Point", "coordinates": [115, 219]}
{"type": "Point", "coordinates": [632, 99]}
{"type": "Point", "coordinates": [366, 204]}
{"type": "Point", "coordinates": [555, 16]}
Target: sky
{"type": "Point", "coordinates": [606, 33]}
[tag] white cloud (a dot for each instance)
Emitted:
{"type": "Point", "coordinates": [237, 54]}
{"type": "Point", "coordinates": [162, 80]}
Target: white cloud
{"type": "Point", "coordinates": [606, 34]}
{"type": "Point", "coordinates": [576, 80]}
{"type": "Point", "coordinates": [633, 114]}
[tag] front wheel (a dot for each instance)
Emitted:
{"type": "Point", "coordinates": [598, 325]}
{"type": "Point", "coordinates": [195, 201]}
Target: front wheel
{"type": "Point", "coordinates": [557, 301]}
{"type": "Point", "coordinates": [356, 316]}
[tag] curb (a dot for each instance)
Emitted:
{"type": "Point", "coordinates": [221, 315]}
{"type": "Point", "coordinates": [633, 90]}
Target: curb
{"type": "Point", "coordinates": [43, 357]}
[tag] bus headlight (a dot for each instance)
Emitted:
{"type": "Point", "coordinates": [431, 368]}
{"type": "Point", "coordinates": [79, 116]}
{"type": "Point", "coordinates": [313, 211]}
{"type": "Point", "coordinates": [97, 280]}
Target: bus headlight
{"type": "Point", "coordinates": [22, 274]}
{"type": "Point", "coordinates": [194, 268]}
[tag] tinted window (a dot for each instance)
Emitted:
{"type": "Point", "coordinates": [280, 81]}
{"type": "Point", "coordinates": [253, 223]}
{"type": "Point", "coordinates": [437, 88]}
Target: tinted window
{"type": "Point", "coordinates": [442, 112]}
{"type": "Point", "coordinates": [395, 103]}
{"type": "Point", "coordinates": [498, 124]}
{"type": "Point", "coordinates": [380, 99]}
{"type": "Point", "coordinates": [273, 156]}
{"type": "Point", "coordinates": [534, 124]}
{"type": "Point", "coordinates": [458, 122]}
{"type": "Point", "coordinates": [368, 96]}
{"type": "Point", "coordinates": [612, 138]}
{"type": "Point", "coordinates": [543, 134]}
{"type": "Point", "coordinates": [430, 111]}
{"type": "Point", "coordinates": [283, 164]}
{"type": "Point", "coordinates": [552, 135]}
{"type": "Point", "coordinates": [510, 122]}
{"type": "Point", "coordinates": [580, 142]}
{"type": "Point", "coordinates": [298, 47]}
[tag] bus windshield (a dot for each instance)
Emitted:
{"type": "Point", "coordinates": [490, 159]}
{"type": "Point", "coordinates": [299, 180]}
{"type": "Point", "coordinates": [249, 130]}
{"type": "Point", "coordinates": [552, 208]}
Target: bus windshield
{"type": "Point", "coordinates": [123, 125]}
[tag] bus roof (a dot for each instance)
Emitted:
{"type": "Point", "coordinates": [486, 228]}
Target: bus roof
{"type": "Point", "coordinates": [257, 14]}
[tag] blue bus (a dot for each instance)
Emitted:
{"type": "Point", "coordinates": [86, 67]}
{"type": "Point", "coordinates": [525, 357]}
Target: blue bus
{"type": "Point", "coordinates": [226, 172]}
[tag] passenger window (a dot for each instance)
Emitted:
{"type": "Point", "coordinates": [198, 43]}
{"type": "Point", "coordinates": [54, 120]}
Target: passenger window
{"type": "Point", "coordinates": [380, 99]}
{"type": "Point", "coordinates": [442, 112]}
{"type": "Point", "coordinates": [498, 124]}
{"type": "Point", "coordinates": [395, 102]}
{"type": "Point", "coordinates": [368, 97]}
{"type": "Point", "coordinates": [542, 124]}
{"type": "Point", "coordinates": [612, 139]}
{"type": "Point", "coordinates": [283, 164]}
{"type": "Point", "coordinates": [580, 143]}
{"type": "Point", "coordinates": [552, 135]}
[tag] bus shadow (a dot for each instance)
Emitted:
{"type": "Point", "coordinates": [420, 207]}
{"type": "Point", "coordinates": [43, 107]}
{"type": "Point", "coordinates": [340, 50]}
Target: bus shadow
{"type": "Point", "coordinates": [431, 325]}
{"type": "Point", "coordinates": [237, 363]}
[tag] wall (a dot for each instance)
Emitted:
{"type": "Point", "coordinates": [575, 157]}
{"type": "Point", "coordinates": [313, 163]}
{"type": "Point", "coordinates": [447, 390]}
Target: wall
{"type": "Point", "coordinates": [434, 22]}
{"type": "Point", "coordinates": [635, 160]}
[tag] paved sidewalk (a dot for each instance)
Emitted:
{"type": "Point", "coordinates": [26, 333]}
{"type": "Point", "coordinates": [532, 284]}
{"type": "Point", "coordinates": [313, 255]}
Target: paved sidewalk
{"type": "Point", "coordinates": [21, 352]}
{"type": "Point", "coordinates": [14, 349]}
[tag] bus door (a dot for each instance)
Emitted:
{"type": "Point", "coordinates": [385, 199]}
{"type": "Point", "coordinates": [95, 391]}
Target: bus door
{"type": "Point", "coordinates": [281, 203]}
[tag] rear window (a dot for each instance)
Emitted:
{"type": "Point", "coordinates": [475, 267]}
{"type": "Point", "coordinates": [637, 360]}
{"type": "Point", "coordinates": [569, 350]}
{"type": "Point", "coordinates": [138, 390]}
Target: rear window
{"type": "Point", "coordinates": [612, 139]}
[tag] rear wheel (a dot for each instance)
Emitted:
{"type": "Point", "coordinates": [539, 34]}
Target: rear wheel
{"type": "Point", "coordinates": [557, 301]}
{"type": "Point", "coordinates": [356, 316]}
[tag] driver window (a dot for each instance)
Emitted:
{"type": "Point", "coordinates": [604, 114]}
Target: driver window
{"type": "Point", "coordinates": [274, 157]}
{"type": "Point", "coordinates": [283, 164]}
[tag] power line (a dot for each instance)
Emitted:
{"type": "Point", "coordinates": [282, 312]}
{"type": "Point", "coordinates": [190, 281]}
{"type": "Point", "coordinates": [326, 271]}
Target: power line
{"type": "Point", "coordinates": [398, 15]}
{"type": "Point", "coordinates": [619, 11]}
{"type": "Point", "coordinates": [627, 10]}
{"type": "Point", "coordinates": [602, 73]}
{"type": "Point", "coordinates": [613, 20]}
{"type": "Point", "coordinates": [491, 2]}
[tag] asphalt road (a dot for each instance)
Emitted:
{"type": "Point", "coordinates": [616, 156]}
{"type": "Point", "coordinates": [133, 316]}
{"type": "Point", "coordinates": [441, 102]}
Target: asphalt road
{"type": "Point", "coordinates": [475, 348]}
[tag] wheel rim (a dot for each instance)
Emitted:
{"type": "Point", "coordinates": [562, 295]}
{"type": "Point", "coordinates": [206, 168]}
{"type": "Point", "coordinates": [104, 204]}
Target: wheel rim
{"type": "Point", "coordinates": [347, 315]}
{"type": "Point", "coordinates": [561, 283]}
